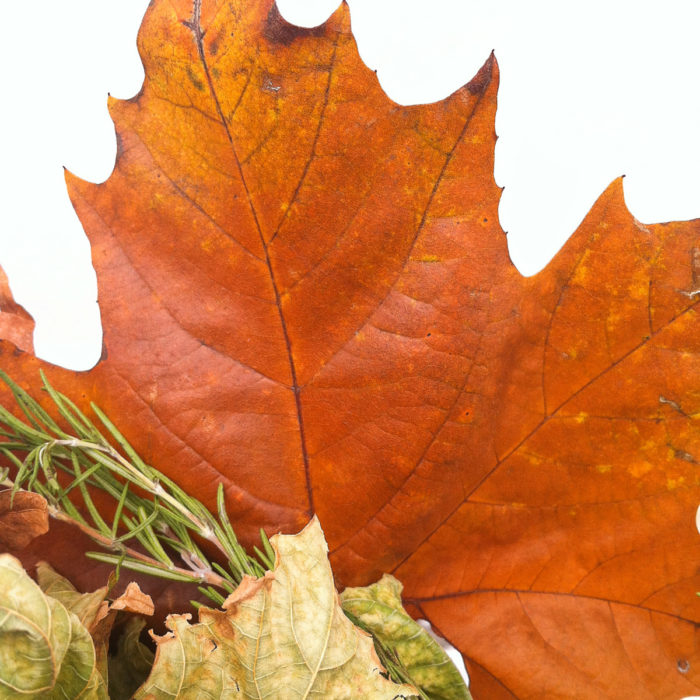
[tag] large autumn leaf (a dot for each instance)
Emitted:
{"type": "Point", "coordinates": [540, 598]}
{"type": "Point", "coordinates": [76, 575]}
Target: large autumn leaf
{"type": "Point", "coordinates": [306, 294]}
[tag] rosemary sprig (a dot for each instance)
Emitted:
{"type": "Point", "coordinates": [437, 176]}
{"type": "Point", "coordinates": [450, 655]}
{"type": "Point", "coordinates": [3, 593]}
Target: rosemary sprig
{"type": "Point", "coordinates": [154, 521]}
{"type": "Point", "coordinates": [146, 532]}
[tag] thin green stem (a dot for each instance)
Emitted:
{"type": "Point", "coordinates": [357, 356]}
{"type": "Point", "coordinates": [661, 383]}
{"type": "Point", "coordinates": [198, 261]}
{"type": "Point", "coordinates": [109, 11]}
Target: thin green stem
{"type": "Point", "coordinates": [147, 564]}
{"type": "Point", "coordinates": [38, 449]}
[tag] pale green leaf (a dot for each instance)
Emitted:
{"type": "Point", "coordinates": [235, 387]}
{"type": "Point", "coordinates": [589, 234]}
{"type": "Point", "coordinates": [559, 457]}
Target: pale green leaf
{"type": "Point", "coordinates": [283, 636]}
{"type": "Point", "coordinates": [97, 615]}
{"type": "Point", "coordinates": [90, 608]}
{"type": "Point", "coordinates": [45, 652]}
{"type": "Point", "coordinates": [379, 607]}
{"type": "Point", "coordinates": [78, 676]}
{"type": "Point", "coordinates": [190, 663]}
{"type": "Point", "coordinates": [130, 662]}
{"type": "Point", "coordinates": [86, 606]}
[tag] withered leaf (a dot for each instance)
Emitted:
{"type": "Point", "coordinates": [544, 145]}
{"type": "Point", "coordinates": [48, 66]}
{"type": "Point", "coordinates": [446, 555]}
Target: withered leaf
{"type": "Point", "coordinates": [89, 608]}
{"type": "Point", "coordinates": [379, 607]}
{"type": "Point", "coordinates": [46, 652]}
{"type": "Point", "coordinates": [130, 661]}
{"type": "Point", "coordinates": [134, 600]}
{"type": "Point", "coordinates": [23, 516]}
{"type": "Point", "coordinates": [280, 636]}
{"type": "Point", "coordinates": [96, 613]}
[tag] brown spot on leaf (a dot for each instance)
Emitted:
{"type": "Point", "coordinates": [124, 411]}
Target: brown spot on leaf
{"type": "Point", "coordinates": [482, 79]}
{"type": "Point", "coordinates": [215, 42]}
{"type": "Point", "coordinates": [278, 31]}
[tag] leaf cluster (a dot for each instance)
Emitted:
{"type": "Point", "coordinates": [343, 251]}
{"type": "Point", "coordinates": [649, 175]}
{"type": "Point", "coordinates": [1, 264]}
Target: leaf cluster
{"type": "Point", "coordinates": [282, 623]}
{"type": "Point", "coordinates": [54, 640]}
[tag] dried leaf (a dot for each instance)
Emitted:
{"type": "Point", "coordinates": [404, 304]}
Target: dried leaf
{"type": "Point", "coordinates": [23, 517]}
{"type": "Point", "coordinates": [130, 662]}
{"type": "Point", "coordinates": [190, 663]}
{"type": "Point", "coordinates": [280, 636]}
{"type": "Point", "coordinates": [306, 295]}
{"type": "Point", "coordinates": [379, 607]}
{"type": "Point", "coordinates": [45, 652]}
{"type": "Point", "coordinates": [15, 323]}
{"type": "Point", "coordinates": [134, 600]}
{"type": "Point", "coordinates": [89, 608]}
{"type": "Point", "coordinates": [95, 613]}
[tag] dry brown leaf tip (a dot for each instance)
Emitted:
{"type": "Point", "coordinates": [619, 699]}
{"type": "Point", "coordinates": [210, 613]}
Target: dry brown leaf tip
{"type": "Point", "coordinates": [134, 600]}
{"type": "Point", "coordinates": [102, 613]}
{"type": "Point", "coordinates": [246, 589]}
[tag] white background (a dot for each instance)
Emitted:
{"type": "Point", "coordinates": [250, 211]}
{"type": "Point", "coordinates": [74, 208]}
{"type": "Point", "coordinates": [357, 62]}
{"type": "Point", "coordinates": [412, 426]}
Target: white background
{"type": "Point", "coordinates": [589, 91]}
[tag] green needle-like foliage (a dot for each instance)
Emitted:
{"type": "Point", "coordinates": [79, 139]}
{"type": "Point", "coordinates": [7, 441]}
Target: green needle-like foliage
{"type": "Point", "coordinates": [155, 525]}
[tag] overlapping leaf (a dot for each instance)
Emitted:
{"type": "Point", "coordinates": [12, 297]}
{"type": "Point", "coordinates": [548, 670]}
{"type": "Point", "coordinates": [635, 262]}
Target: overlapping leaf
{"type": "Point", "coordinates": [54, 639]}
{"type": "Point", "coordinates": [89, 608]}
{"type": "Point", "coordinates": [130, 661]}
{"type": "Point", "coordinates": [379, 607]}
{"type": "Point", "coordinates": [306, 294]}
{"type": "Point", "coordinates": [280, 636]}
{"type": "Point", "coordinates": [45, 650]}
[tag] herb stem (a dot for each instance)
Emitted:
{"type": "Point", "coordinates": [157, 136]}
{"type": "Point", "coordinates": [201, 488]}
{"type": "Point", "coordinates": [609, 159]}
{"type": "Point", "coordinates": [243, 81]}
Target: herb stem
{"type": "Point", "coordinates": [165, 519]}
{"type": "Point", "coordinates": [196, 574]}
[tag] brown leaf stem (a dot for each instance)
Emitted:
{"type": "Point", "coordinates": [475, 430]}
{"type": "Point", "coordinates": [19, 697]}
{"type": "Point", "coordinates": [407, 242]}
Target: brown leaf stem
{"type": "Point", "coordinates": [199, 575]}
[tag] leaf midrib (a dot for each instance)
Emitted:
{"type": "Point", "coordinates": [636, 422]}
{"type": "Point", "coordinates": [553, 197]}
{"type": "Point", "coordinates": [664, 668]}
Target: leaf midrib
{"type": "Point", "coordinates": [196, 29]}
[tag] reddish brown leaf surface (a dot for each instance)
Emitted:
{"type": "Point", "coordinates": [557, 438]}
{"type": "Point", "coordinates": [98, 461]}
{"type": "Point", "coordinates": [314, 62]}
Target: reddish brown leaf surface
{"type": "Point", "coordinates": [16, 324]}
{"type": "Point", "coordinates": [306, 294]}
{"type": "Point", "coordinates": [23, 517]}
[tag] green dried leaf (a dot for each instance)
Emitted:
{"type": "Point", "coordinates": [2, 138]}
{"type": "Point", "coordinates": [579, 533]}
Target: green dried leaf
{"type": "Point", "coordinates": [45, 652]}
{"type": "Point", "coordinates": [379, 607]}
{"type": "Point", "coordinates": [190, 663]}
{"type": "Point", "coordinates": [86, 606]}
{"type": "Point", "coordinates": [130, 662]}
{"type": "Point", "coordinates": [91, 609]}
{"type": "Point", "coordinates": [280, 636]}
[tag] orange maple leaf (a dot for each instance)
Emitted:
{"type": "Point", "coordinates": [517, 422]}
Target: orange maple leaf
{"type": "Point", "coordinates": [307, 296]}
